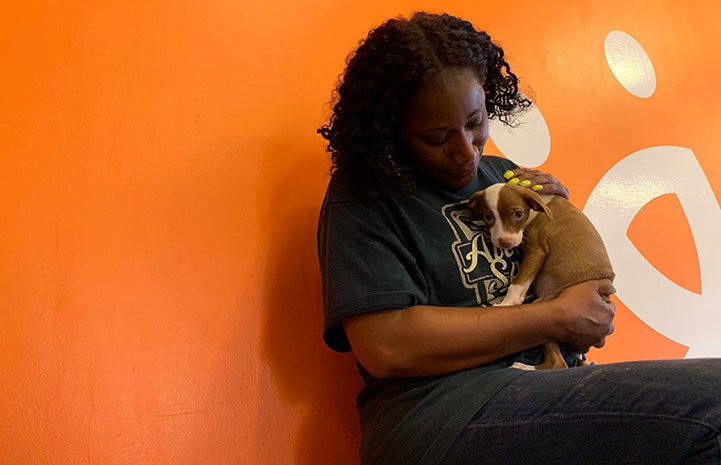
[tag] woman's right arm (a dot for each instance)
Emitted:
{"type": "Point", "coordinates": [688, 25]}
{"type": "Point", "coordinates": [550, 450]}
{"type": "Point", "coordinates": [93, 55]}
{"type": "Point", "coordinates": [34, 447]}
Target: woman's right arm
{"type": "Point", "coordinates": [426, 340]}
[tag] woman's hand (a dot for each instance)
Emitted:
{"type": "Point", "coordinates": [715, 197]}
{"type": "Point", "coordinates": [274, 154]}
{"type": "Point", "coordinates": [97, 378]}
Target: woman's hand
{"type": "Point", "coordinates": [543, 183]}
{"type": "Point", "coordinates": [586, 315]}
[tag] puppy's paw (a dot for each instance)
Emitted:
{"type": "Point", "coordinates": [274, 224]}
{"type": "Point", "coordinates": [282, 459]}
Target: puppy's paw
{"type": "Point", "coordinates": [508, 301]}
{"type": "Point", "coordinates": [523, 366]}
{"type": "Point", "coordinates": [586, 363]}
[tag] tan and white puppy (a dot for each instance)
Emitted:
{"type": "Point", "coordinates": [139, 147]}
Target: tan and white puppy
{"type": "Point", "coordinates": [561, 247]}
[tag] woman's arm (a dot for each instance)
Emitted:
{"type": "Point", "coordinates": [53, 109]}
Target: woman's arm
{"type": "Point", "coordinates": [427, 341]}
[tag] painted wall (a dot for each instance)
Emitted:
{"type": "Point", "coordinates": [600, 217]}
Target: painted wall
{"type": "Point", "coordinates": [160, 179]}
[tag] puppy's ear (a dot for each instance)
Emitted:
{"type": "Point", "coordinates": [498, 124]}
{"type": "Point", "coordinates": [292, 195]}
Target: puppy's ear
{"type": "Point", "coordinates": [475, 204]}
{"type": "Point", "coordinates": [536, 202]}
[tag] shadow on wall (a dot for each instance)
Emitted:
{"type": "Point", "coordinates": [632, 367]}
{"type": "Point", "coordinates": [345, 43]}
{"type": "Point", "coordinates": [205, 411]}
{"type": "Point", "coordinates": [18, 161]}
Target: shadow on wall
{"type": "Point", "coordinates": [309, 376]}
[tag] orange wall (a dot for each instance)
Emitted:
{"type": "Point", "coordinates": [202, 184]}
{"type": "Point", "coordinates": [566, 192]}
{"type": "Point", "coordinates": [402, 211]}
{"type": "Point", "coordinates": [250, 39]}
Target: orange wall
{"type": "Point", "coordinates": [159, 292]}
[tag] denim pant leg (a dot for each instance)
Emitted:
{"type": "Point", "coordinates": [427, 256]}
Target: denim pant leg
{"type": "Point", "coordinates": [658, 412]}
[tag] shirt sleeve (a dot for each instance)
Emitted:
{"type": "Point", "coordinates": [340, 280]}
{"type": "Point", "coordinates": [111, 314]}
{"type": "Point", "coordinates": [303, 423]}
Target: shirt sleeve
{"type": "Point", "coordinates": [365, 266]}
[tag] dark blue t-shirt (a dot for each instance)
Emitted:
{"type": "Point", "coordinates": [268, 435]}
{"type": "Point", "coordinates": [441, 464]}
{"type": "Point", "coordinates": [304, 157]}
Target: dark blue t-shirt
{"type": "Point", "coordinates": [387, 254]}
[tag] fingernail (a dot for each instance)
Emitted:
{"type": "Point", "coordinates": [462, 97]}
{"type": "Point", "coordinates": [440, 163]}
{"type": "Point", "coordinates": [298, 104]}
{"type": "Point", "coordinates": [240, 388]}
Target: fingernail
{"type": "Point", "coordinates": [508, 174]}
{"type": "Point", "coordinates": [514, 181]}
{"type": "Point", "coordinates": [525, 183]}
{"type": "Point", "coordinates": [537, 187]}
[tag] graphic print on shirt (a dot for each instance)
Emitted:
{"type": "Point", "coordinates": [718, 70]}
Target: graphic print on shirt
{"type": "Point", "coordinates": [483, 268]}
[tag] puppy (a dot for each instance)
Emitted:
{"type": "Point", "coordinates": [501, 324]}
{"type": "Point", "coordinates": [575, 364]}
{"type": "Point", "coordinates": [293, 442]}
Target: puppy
{"type": "Point", "coordinates": [561, 247]}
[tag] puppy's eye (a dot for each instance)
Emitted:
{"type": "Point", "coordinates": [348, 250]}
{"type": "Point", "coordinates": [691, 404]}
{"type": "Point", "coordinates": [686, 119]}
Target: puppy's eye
{"type": "Point", "coordinates": [518, 214]}
{"type": "Point", "coordinates": [488, 218]}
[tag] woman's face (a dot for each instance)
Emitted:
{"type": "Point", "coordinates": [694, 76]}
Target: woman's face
{"type": "Point", "coordinates": [446, 127]}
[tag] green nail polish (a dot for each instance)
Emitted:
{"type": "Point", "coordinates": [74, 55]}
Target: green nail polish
{"type": "Point", "coordinates": [537, 187]}
{"type": "Point", "coordinates": [524, 183]}
{"type": "Point", "coordinates": [514, 181]}
{"type": "Point", "coordinates": [508, 174]}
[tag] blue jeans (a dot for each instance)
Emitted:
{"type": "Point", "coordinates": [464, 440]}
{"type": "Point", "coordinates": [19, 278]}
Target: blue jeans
{"type": "Point", "coordinates": [660, 412]}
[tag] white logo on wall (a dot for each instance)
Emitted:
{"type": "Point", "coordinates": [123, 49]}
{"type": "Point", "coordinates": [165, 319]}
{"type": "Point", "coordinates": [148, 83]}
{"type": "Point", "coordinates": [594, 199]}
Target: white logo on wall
{"type": "Point", "coordinates": [686, 317]}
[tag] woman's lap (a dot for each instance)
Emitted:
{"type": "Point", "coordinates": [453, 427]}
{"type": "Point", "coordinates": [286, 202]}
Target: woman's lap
{"type": "Point", "coordinates": [658, 412]}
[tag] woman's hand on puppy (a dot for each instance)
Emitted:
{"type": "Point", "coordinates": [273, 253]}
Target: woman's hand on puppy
{"type": "Point", "coordinates": [543, 183]}
{"type": "Point", "coordinates": [586, 316]}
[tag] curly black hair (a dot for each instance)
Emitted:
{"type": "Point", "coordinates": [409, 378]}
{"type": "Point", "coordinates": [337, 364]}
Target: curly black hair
{"type": "Point", "coordinates": [381, 77]}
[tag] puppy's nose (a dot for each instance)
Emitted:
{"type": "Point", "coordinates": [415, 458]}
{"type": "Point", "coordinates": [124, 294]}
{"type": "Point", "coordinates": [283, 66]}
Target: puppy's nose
{"type": "Point", "coordinates": [505, 242]}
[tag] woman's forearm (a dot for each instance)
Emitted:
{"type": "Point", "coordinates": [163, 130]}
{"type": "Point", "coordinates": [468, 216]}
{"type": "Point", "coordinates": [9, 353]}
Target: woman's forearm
{"type": "Point", "coordinates": [427, 340]}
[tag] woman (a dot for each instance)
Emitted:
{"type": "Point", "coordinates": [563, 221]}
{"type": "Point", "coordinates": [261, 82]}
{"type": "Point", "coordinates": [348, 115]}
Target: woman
{"type": "Point", "coordinates": [408, 280]}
